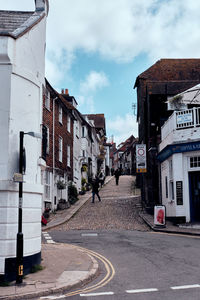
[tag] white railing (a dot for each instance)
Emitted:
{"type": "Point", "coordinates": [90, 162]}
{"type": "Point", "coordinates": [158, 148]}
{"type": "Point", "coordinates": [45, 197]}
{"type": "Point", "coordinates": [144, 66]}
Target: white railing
{"type": "Point", "coordinates": [188, 118]}
{"type": "Point", "coordinates": [181, 120]}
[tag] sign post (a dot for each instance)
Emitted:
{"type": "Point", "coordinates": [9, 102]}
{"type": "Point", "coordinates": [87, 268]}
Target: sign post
{"type": "Point", "coordinates": [141, 165]}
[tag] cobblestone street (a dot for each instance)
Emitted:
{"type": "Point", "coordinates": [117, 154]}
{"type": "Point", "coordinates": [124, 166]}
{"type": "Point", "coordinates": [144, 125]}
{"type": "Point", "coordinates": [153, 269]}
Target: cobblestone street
{"type": "Point", "coordinates": [119, 209]}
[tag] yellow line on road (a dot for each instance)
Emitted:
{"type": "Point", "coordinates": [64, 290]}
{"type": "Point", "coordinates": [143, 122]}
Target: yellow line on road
{"type": "Point", "coordinates": [175, 234]}
{"type": "Point", "coordinates": [109, 275]}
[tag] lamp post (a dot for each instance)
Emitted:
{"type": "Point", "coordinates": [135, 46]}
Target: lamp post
{"type": "Point", "coordinates": [19, 256]}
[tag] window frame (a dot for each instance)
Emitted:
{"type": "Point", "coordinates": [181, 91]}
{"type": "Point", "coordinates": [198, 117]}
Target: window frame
{"type": "Point", "coordinates": [60, 152]}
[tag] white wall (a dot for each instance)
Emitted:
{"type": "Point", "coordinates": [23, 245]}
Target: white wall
{"type": "Point", "coordinates": [22, 71]}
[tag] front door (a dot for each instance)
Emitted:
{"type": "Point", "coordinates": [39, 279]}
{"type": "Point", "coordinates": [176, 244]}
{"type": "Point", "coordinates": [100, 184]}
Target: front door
{"type": "Point", "coordinates": [194, 185]}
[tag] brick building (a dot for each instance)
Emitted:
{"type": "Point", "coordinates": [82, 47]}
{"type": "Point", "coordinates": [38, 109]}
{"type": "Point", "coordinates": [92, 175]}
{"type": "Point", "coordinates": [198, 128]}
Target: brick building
{"type": "Point", "coordinates": [57, 148]}
{"type": "Point", "coordinates": [167, 77]}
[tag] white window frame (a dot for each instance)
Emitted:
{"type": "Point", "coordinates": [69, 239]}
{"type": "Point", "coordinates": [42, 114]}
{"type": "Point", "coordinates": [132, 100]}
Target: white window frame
{"type": "Point", "coordinates": [68, 155]}
{"type": "Point", "coordinates": [47, 185]}
{"type": "Point", "coordinates": [60, 114]}
{"type": "Point", "coordinates": [47, 98]}
{"type": "Point", "coordinates": [68, 124]}
{"type": "Point", "coordinates": [60, 149]}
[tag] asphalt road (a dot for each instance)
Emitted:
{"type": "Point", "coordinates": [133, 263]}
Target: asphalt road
{"type": "Point", "coordinates": [147, 265]}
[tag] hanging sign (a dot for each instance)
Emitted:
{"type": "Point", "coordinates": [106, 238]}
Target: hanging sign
{"type": "Point", "coordinates": [141, 158]}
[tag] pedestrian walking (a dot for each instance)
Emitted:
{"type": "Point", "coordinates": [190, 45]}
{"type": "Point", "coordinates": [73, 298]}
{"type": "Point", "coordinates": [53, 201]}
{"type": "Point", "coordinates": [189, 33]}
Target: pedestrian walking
{"type": "Point", "coordinates": [117, 174]}
{"type": "Point", "coordinates": [101, 178]}
{"type": "Point", "coordinates": [95, 189]}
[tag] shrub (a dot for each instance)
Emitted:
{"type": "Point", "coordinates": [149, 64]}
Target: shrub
{"type": "Point", "coordinates": [72, 193]}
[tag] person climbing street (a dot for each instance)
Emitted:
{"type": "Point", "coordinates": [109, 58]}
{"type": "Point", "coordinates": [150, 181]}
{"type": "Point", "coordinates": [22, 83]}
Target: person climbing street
{"type": "Point", "coordinates": [117, 174]}
{"type": "Point", "coordinates": [95, 189]}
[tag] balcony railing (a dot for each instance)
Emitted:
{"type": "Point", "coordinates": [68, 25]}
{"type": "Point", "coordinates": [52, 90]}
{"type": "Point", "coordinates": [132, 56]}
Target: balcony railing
{"type": "Point", "coordinates": [188, 118]}
{"type": "Point", "coordinates": [183, 119]}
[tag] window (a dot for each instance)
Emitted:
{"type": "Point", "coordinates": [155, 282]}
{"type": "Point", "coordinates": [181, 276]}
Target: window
{"type": "Point", "coordinates": [60, 114]}
{"type": "Point", "coordinates": [60, 148]}
{"type": "Point", "coordinates": [170, 169]}
{"type": "Point", "coordinates": [171, 189]}
{"type": "Point", "coordinates": [83, 153]}
{"type": "Point", "coordinates": [47, 99]}
{"type": "Point", "coordinates": [83, 131]}
{"type": "Point", "coordinates": [45, 141]}
{"type": "Point", "coordinates": [47, 186]}
{"type": "Point", "coordinates": [68, 156]}
{"type": "Point", "coordinates": [68, 124]}
{"type": "Point", "coordinates": [195, 162]}
{"type": "Point", "coordinates": [166, 187]}
{"type": "Point", "coordinates": [77, 128]}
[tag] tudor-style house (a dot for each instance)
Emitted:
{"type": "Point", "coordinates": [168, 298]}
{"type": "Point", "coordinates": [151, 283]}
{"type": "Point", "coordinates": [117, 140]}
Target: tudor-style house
{"type": "Point", "coordinates": [167, 77]}
{"type": "Point", "coordinates": [22, 75]}
{"type": "Point", "coordinates": [57, 148]}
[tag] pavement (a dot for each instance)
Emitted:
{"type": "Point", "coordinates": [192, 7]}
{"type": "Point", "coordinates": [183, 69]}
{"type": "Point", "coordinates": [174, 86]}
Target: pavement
{"type": "Point", "coordinates": [170, 227]}
{"type": "Point", "coordinates": [65, 266]}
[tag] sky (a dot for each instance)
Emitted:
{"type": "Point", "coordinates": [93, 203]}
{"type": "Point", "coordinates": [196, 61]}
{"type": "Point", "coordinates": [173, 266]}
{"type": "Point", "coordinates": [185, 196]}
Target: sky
{"type": "Point", "coordinates": [97, 48]}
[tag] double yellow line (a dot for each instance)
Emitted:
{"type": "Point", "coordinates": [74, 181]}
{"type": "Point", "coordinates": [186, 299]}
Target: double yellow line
{"type": "Point", "coordinates": [110, 272]}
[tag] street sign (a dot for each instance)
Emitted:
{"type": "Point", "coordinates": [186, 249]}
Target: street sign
{"type": "Point", "coordinates": [159, 215]}
{"type": "Point", "coordinates": [141, 158]}
{"type": "Point", "coordinates": [18, 177]}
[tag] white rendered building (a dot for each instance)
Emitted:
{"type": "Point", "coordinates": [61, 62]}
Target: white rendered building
{"type": "Point", "coordinates": [22, 71]}
{"type": "Point", "coordinates": [179, 156]}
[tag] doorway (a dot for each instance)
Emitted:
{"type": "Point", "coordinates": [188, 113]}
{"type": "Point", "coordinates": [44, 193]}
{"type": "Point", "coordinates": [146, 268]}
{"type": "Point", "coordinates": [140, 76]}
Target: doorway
{"type": "Point", "coordinates": [194, 189]}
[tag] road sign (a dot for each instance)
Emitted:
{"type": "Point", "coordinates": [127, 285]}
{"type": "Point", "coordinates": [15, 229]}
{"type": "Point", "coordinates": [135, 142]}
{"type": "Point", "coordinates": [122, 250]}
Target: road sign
{"type": "Point", "coordinates": [141, 158]}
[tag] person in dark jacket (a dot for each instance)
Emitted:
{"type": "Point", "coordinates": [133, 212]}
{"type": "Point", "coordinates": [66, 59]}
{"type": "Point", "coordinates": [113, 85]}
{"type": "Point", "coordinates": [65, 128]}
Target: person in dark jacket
{"type": "Point", "coordinates": [95, 189]}
{"type": "Point", "coordinates": [117, 174]}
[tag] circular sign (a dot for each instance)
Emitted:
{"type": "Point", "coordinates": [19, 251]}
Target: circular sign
{"type": "Point", "coordinates": [141, 151]}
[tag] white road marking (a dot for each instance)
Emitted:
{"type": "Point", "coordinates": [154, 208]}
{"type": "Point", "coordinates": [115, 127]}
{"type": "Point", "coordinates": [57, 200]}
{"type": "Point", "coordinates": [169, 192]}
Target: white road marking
{"type": "Point", "coordinates": [141, 291]}
{"type": "Point", "coordinates": [89, 234]}
{"type": "Point", "coordinates": [50, 242]}
{"type": "Point", "coordinates": [183, 287]}
{"type": "Point", "coordinates": [97, 294]}
{"type": "Point", "coordinates": [53, 297]}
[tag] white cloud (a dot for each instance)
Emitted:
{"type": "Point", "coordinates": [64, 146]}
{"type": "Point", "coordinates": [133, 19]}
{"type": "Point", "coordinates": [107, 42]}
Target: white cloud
{"type": "Point", "coordinates": [23, 5]}
{"type": "Point", "coordinates": [122, 127]}
{"type": "Point", "coordinates": [93, 81]}
{"type": "Point", "coordinates": [122, 29]}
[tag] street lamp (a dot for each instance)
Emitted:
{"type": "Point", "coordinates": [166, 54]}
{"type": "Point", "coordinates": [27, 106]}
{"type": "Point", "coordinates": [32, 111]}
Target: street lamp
{"type": "Point", "coordinates": [19, 256]}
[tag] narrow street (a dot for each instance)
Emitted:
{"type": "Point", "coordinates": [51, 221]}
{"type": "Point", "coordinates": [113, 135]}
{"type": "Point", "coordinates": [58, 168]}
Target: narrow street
{"type": "Point", "coordinates": [119, 209]}
{"type": "Point", "coordinates": [140, 264]}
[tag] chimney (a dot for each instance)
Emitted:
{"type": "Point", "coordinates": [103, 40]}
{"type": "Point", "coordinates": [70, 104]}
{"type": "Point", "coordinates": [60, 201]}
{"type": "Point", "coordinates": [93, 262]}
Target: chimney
{"type": "Point", "coordinates": [62, 91]}
{"type": "Point", "coordinates": [66, 92]}
{"type": "Point", "coordinates": [42, 5]}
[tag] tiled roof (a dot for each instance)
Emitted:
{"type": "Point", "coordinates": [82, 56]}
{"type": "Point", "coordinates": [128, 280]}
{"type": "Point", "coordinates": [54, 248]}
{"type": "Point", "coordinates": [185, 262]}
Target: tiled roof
{"type": "Point", "coordinates": [15, 23]}
{"type": "Point", "coordinates": [11, 20]}
{"type": "Point", "coordinates": [99, 120]}
{"type": "Point", "coordinates": [172, 70]}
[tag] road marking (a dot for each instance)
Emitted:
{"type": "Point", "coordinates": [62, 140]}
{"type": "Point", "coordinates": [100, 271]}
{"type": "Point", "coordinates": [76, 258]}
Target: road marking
{"type": "Point", "coordinates": [183, 287]}
{"type": "Point", "coordinates": [110, 272]}
{"type": "Point", "coordinates": [89, 234]}
{"type": "Point", "coordinates": [97, 294]}
{"type": "Point", "coordinates": [50, 242]}
{"type": "Point", "coordinates": [48, 238]}
{"type": "Point", "coordinates": [141, 291]}
{"type": "Point", "coordinates": [53, 297]}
